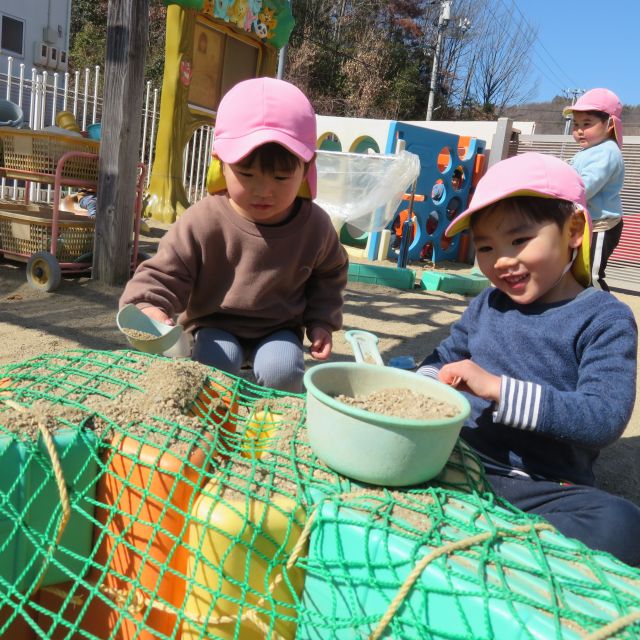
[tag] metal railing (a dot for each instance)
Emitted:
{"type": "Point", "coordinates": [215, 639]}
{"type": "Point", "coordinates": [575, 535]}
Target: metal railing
{"type": "Point", "coordinates": [42, 95]}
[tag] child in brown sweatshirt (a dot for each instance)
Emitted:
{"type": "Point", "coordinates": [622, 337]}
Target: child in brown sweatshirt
{"type": "Point", "coordinates": [248, 269]}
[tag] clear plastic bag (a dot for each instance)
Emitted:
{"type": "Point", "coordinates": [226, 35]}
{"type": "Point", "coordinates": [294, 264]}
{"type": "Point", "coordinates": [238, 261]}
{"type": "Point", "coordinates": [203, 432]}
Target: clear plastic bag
{"type": "Point", "coordinates": [361, 190]}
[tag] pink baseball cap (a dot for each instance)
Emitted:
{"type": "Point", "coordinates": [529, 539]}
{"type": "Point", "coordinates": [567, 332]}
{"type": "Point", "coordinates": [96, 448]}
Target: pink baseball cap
{"type": "Point", "coordinates": [262, 110]}
{"type": "Point", "coordinates": [532, 174]}
{"type": "Point", "coordinates": [600, 100]}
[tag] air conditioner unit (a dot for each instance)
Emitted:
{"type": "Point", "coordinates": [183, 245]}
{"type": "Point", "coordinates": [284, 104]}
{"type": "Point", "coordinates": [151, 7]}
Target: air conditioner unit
{"type": "Point", "coordinates": [52, 58]}
{"type": "Point", "coordinates": [62, 61]}
{"type": "Point", "coordinates": [40, 53]}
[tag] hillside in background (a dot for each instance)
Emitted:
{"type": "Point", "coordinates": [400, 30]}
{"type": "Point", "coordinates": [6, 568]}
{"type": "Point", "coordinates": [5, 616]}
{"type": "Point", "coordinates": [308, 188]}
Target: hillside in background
{"type": "Point", "coordinates": [548, 116]}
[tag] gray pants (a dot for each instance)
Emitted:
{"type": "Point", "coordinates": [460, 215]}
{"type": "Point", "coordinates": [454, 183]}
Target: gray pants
{"type": "Point", "coordinates": [277, 359]}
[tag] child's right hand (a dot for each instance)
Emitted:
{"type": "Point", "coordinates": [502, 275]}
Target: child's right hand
{"type": "Point", "coordinates": [158, 314]}
{"type": "Point", "coordinates": [466, 375]}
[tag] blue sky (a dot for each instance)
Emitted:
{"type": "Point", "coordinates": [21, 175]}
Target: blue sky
{"type": "Point", "coordinates": [585, 44]}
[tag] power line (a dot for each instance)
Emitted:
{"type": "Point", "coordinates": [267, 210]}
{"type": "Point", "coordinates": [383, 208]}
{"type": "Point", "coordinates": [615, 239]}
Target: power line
{"type": "Point", "coordinates": [561, 69]}
{"type": "Point", "coordinates": [557, 80]}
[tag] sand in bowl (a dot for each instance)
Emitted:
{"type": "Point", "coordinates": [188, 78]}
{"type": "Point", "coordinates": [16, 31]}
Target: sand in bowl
{"type": "Point", "coordinates": [136, 334]}
{"type": "Point", "coordinates": [401, 403]}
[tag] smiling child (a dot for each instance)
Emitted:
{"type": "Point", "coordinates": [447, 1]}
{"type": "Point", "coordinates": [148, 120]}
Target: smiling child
{"type": "Point", "coordinates": [547, 362]}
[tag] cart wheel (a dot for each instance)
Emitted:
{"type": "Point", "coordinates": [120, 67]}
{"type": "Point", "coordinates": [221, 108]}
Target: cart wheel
{"type": "Point", "coordinates": [43, 271]}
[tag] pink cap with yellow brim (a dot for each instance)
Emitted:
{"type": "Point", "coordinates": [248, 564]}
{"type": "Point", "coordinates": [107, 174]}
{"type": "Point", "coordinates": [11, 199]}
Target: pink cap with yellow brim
{"type": "Point", "coordinates": [263, 110]}
{"type": "Point", "coordinates": [600, 100]}
{"type": "Point", "coordinates": [538, 175]}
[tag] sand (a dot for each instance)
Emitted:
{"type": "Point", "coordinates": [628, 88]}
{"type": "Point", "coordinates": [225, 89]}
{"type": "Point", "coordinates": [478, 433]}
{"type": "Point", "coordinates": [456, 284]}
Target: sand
{"type": "Point", "coordinates": [81, 314]}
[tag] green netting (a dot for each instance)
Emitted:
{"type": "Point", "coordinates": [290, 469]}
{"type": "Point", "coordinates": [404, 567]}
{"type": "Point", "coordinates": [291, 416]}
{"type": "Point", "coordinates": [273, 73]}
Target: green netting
{"type": "Point", "coordinates": [142, 497]}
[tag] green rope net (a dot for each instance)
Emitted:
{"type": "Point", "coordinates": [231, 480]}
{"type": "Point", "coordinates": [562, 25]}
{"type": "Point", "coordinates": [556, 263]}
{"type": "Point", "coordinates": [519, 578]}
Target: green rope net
{"type": "Point", "coordinates": [143, 497]}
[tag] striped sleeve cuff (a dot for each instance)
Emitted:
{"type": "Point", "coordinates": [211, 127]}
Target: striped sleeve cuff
{"type": "Point", "coordinates": [428, 370]}
{"type": "Point", "coordinates": [519, 404]}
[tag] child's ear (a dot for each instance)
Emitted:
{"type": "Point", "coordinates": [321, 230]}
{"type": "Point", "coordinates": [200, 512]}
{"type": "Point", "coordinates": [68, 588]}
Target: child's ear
{"type": "Point", "coordinates": [576, 229]}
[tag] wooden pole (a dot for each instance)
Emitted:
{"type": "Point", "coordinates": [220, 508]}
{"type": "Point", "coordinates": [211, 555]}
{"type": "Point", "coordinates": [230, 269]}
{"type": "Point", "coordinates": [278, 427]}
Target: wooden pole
{"type": "Point", "coordinates": [127, 33]}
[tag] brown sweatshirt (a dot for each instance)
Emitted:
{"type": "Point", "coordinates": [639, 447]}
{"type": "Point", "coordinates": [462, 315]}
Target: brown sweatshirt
{"type": "Point", "coordinates": [217, 269]}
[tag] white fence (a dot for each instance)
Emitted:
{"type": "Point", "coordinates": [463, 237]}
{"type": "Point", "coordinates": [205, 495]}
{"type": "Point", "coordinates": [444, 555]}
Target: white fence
{"type": "Point", "coordinates": [42, 95]}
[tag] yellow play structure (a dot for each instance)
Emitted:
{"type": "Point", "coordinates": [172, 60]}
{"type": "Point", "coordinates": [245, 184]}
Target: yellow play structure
{"type": "Point", "coordinates": [210, 46]}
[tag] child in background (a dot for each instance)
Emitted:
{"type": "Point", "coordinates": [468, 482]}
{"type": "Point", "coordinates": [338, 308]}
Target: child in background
{"type": "Point", "coordinates": [398, 226]}
{"type": "Point", "coordinates": [248, 269]}
{"type": "Point", "coordinates": [83, 203]}
{"type": "Point", "coordinates": [597, 128]}
{"type": "Point", "coordinates": [547, 362]}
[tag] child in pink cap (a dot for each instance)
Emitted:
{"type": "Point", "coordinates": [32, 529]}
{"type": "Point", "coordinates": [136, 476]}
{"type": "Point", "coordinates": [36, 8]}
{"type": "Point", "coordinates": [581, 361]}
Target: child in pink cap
{"type": "Point", "coordinates": [252, 266]}
{"type": "Point", "coordinates": [547, 362]}
{"type": "Point", "coordinates": [597, 128]}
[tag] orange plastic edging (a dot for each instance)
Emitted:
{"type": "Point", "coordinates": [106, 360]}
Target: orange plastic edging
{"type": "Point", "coordinates": [478, 168]}
{"type": "Point", "coordinates": [399, 224]}
{"type": "Point", "coordinates": [140, 526]}
{"type": "Point", "coordinates": [19, 629]}
{"type": "Point", "coordinates": [132, 469]}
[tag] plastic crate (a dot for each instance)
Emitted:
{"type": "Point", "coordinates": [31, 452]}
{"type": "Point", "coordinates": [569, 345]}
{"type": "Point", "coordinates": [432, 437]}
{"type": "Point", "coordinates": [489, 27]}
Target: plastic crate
{"type": "Point", "coordinates": [459, 595]}
{"type": "Point", "coordinates": [34, 155]}
{"type": "Point", "coordinates": [26, 229]}
{"type": "Point", "coordinates": [385, 276]}
{"type": "Point", "coordinates": [29, 489]}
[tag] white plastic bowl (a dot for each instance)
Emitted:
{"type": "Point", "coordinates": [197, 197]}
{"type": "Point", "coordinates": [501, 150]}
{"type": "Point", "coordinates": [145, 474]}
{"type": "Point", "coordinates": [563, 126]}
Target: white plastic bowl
{"type": "Point", "coordinates": [373, 448]}
{"type": "Point", "coordinates": [130, 317]}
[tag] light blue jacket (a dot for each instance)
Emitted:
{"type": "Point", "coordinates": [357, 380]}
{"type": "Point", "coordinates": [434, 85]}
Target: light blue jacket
{"type": "Point", "coordinates": [602, 171]}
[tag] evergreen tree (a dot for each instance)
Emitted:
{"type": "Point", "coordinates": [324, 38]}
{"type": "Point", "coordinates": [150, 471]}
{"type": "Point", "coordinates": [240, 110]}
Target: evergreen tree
{"type": "Point", "coordinates": [88, 37]}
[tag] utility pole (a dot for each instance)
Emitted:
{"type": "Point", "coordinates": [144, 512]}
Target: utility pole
{"type": "Point", "coordinates": [574, 93]}
{"type": "Point", "coordinates": [443, 21]}
{"type": "Point", "coordinates": [282, 56]}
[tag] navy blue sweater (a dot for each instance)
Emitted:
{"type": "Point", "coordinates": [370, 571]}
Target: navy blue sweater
{"type": "Point", "coordinates": [568, 380]}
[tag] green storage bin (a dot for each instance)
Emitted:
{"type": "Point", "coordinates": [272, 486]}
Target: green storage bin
{"type": "Point", "coordinates": [30, 508]}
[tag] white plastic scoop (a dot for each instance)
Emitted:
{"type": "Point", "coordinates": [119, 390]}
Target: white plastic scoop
{"type": "Point", "coordinates": [365, 349]}
{"type": "Point", "coordinates": [365, 346]}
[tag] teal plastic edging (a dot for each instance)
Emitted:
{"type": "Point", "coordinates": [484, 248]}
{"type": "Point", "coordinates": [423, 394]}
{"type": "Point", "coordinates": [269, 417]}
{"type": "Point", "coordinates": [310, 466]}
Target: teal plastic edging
{"type": "Point", "coordinates": [385, 276]}
{"type": "Point", "coordinates": [30, 507]}
{"type": "Point", "coordinates": [455, 596]}
{"type": "Point", "coordinates": [453, 283]}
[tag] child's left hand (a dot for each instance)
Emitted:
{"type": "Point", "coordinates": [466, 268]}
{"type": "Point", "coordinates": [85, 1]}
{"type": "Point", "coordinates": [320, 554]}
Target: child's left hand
{"type": "Point", "coordinates": [321, 343]}
{"type": "Point", "coordinates": [466, 375]}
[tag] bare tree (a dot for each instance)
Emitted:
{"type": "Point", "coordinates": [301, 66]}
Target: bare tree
{"type": "Point", "coordinates": [374, 58]}
{"type": "Point", "coordinates": [501, 61]}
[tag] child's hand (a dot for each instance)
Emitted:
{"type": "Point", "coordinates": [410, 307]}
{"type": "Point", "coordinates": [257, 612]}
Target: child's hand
{"type": "Point", "coordinates": [466, 375]}
{"type": "Point", "coordinates": [321, 343]}
{"type": "Point", "coordinates": [158, 314]}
